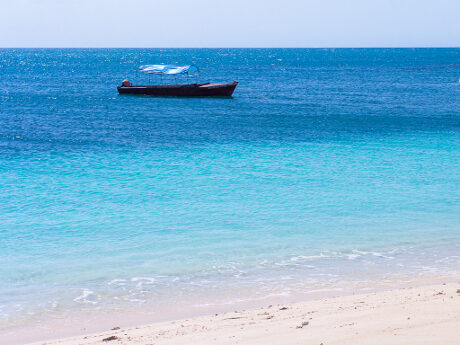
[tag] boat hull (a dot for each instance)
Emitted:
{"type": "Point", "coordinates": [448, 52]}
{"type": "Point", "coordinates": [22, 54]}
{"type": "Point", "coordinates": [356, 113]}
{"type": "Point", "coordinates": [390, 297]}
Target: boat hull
{"type": "Point", "coordinates": [184, 90]}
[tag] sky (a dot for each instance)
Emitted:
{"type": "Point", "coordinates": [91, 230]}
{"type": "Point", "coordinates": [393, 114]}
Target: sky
{"type": "Point", "coordinates": [229, 23]}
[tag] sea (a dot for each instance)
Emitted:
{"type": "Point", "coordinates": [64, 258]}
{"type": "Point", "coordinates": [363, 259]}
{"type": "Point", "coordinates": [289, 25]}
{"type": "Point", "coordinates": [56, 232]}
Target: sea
{"type": "Point", "coordinates": [330, 170]}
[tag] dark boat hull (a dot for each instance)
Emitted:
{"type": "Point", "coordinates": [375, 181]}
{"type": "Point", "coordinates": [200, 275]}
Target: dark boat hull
{"type": "Point", "coordinates": [185, 90]}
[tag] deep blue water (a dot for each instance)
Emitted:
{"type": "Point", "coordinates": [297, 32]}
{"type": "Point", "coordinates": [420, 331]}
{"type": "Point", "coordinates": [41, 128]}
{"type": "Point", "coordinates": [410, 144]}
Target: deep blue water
{"type": "Point", "coordinates": [326, 167]}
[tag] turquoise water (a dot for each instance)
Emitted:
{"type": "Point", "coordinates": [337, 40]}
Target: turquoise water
{"type": "Point", "coordinates": [327, 167]}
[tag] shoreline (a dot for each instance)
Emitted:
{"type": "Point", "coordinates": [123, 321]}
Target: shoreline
{"type": "Point", "coordinates": [423, 315]}
{"type": "Point", "coordinates": [342, 307]}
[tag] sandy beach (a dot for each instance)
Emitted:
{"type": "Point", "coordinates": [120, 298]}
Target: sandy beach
{"type": "Point", "coordinates": [422, 315]}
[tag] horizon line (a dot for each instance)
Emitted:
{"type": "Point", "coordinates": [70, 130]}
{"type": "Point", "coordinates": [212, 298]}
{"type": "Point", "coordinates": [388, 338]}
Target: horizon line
{"type": "Point", "coordinates": [236, 47]}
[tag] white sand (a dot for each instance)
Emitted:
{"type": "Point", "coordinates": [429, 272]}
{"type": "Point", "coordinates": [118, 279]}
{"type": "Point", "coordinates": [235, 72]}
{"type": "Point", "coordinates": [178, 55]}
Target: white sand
{"type": "Point", "coordinates": [423, 315]}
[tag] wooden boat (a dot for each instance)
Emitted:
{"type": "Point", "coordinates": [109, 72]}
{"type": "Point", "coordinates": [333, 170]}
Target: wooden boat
{"type": "Point", "coordinates": [177, 90]}
{"type": "Point", "coordinates": [182, 90]}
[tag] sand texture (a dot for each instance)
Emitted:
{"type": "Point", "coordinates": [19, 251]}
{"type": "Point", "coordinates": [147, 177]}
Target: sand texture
{"type": "Point", "coordinates": [422, 315]}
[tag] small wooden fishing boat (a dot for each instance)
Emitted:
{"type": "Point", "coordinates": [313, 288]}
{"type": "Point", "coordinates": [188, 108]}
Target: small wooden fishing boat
{"type": "Point", "coordinates": [177, 90]}
{"type": "Point", "coordinates": [182, 90]}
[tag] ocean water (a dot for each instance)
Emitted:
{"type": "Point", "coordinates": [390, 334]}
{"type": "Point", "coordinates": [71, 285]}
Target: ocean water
{"type": "Point", "coordinates": [328, 167]}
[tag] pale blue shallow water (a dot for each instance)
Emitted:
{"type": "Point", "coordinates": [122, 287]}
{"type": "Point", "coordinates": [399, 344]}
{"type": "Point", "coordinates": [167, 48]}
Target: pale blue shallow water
{"type": "Point", "coordinates": [327, 166]}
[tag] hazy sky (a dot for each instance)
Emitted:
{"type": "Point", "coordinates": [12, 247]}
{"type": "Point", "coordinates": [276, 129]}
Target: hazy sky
{"type": "Point", "coordinates": [229, 23]}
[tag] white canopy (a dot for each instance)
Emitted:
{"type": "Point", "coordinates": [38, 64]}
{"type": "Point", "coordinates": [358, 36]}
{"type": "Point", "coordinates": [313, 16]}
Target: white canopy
{"type": "Point", "coordinates": [167, 69]}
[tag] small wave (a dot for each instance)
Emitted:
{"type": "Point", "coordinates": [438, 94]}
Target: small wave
{"type": "Point", "coordinates": [309, 257]}
{"type": "Point", "coordinates": [117, 282]}
{"type": "Point", "coordinates": [85, 297]}
{"type": "Point", "coordinates": [299, 259]}
{"type": "Point", "coordinates": [353, 256]}
{"type": "Point", "coordinates": [143, 279]}
{"type": "Point", "coordinates": [376, 254]}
